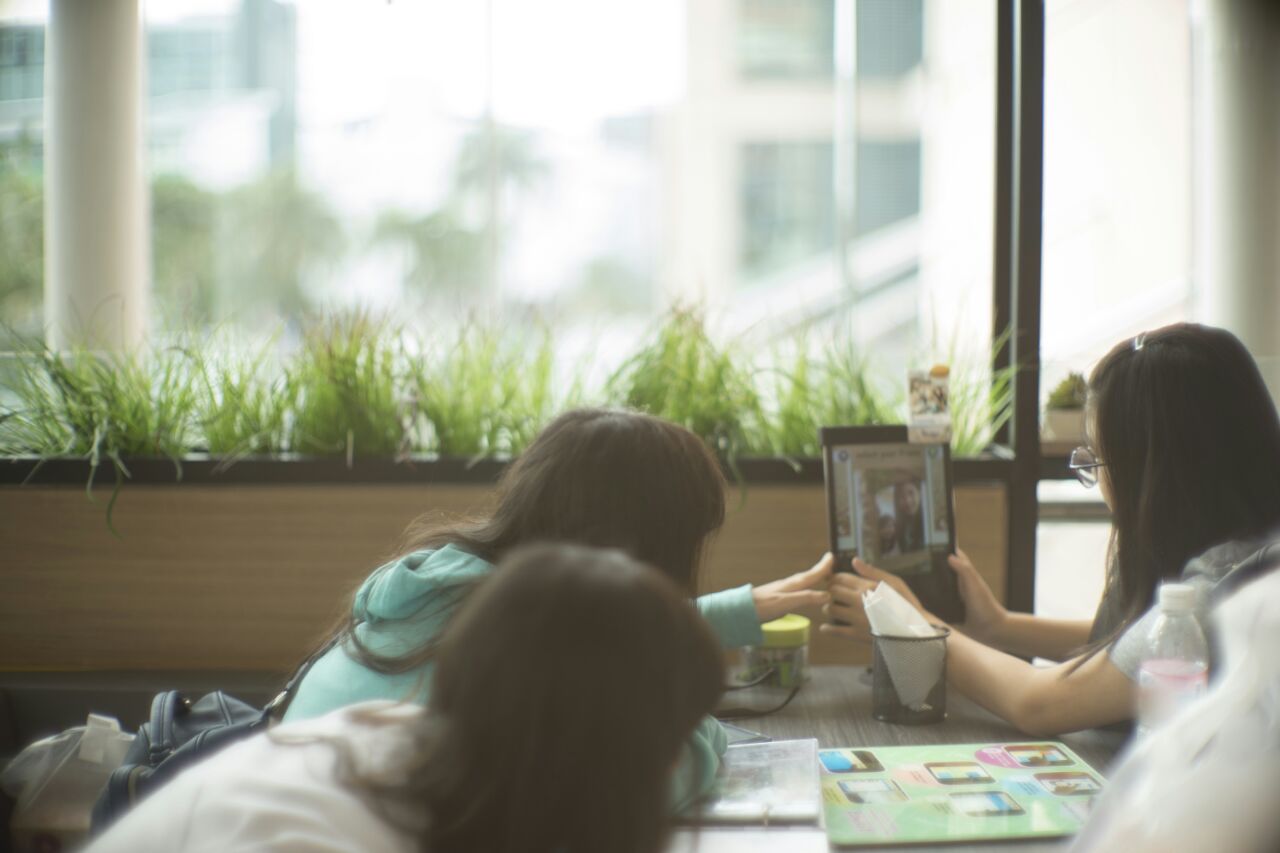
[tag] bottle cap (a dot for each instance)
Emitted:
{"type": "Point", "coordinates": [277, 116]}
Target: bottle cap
{"type": "Point", "coordinates": [1177, 597]}
{"type": "Point", "coordinates": [791, 631]}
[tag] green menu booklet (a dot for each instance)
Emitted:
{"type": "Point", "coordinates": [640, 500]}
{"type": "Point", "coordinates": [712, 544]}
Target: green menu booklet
{"type": "Point", "coordinates": [962, 792]}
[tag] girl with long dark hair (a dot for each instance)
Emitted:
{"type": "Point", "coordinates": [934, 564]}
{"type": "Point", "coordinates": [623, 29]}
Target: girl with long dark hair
{"type": "Point", "coordinates": [1185, 445]}
{"type": "Point", "coordinates": [563, 691]}
{"type": "Point", "coordinates": [607, 478]}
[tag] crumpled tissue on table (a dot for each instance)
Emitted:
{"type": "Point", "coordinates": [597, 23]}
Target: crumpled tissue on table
{"type": "Point", "coordinates": [914, 668]}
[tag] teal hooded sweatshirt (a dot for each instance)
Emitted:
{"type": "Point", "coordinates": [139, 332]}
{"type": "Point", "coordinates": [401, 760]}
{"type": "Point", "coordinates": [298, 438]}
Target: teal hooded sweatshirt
{"type": "Point", "coordinates": [409, 601]}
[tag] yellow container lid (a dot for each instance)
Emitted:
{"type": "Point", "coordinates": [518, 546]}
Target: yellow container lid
{"type": "Point", "coordinates": [788, 632]}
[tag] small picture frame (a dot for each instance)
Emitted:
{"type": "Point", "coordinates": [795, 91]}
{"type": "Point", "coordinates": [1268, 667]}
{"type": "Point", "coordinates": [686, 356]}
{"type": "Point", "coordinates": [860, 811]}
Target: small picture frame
{"type": "Point", "coordinates": [929, 405]}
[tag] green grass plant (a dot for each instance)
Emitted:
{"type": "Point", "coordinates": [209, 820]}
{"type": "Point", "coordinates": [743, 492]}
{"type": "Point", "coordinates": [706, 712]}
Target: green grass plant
{"type": "Point", "coordinates": [84, 404]}
{"type": "Point", "coordinates": [810, 388]}
{"type": "Point", "coordinates": [683, 375]}
{"type": "Point", "coordinates": [244, 406]}
{"type": "Point", "coordinates": [1071, 393]}
{"type": "Point", "coordinates": [358, 387]}
{"type": "Point", "coordinates": [102, 408]}
{"type": "Point", "coordinates": [486, 392]}
{"type": "Point", "coordinates": [347, 390]}
{"type": "Point", "coordinates": [981, 397]}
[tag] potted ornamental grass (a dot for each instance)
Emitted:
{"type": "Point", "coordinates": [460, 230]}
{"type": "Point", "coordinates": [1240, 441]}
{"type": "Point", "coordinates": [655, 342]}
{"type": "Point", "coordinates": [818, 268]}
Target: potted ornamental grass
{"type": "Point", "coordinates": [1064, 414]}
{"type": "Point", "coordinates": [204, 486]}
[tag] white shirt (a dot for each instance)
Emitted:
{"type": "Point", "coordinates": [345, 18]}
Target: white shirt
{"type": "Point", "coordinates": [1209, 778]}
{"type": "Point", "coordinates": [280, 791]}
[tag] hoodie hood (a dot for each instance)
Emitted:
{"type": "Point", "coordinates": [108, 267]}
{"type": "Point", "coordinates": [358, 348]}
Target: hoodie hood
{"type": "Point", "coordinates": [1221, 560]}
{"type": "Point", "coordinates": [402, 588]}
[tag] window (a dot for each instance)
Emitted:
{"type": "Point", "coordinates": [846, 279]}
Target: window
{"type": "Point", "coordinates": [787, 204]}
{"type": "Point", "coordinates": [455, 157]}
{"type": "Point", "coordinates": [890, 37]}
{"type": "Point", "coordinates": [888, 187]}
{"type": "Point", "coordinates": [786, 39]}
{"type": "Point", "coordinates": [1117, 177]}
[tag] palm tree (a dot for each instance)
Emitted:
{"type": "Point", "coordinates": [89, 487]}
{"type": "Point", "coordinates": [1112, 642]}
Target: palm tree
{"type": "Point", "coordinates": [183, 217]}
{"type": "Point", "coordinates": [445, 256]}
{"type": "Point", "coordinates": [277, 233]}
{"type": "Point", "coordinates": [449, 254]}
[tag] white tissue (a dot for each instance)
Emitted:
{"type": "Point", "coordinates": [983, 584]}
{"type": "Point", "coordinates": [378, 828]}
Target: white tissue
{"type": "Point", "coordinates": [891, 616]}
{"type": "Point", "coordinates": [913, 671]}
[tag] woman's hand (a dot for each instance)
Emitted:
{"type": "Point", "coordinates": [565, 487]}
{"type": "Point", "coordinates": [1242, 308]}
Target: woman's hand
{"type": "Point", "coordinates": [846, 600]}
{"type": "Point", "coordinates": [984, 615]}
{"type": "Point", "coordinates": [792, 593]}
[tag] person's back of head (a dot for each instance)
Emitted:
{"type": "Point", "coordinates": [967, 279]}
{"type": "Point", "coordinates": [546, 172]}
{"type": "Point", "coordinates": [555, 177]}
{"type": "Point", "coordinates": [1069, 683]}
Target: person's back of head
{"type": "Point", "coordinates": [1190, 438]}
{"type": "Point", "coordinates": [563, 693]}
{"type": "Point", "coordinates": [609, 478]}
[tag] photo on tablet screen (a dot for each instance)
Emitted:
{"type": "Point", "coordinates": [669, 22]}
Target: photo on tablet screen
{"type": "Point", "coordinates": [889, 503]}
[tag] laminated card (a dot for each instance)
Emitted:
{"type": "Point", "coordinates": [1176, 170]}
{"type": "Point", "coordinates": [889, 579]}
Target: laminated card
{"type": "Point", "coordinates": [964, 792]}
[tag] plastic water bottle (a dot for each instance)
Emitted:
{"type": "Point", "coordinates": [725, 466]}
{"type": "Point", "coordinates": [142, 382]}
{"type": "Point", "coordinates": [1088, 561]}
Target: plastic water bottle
{"type": "Point", "coordinates": [1176, 669]}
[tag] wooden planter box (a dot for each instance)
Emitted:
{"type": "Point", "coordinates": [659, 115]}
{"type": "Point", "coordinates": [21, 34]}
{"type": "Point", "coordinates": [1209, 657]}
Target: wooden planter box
{"type": "Point", "coordinates": [220, 572]}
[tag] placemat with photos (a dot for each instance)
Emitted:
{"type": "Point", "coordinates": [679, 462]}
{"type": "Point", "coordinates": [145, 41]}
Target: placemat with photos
{"type": "Point", "coordinates": [958, 792]}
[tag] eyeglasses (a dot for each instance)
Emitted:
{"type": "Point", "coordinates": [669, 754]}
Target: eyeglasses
{"type": "Point", "coordinates": [1085, 465]}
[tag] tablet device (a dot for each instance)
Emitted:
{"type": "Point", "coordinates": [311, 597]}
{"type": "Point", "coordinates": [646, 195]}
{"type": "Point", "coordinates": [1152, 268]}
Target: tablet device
{"type": "Point", "coordinates": [889, 503]}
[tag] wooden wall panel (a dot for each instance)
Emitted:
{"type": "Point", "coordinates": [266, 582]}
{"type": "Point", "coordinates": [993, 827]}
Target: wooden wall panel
{"type": "Point", "coordinates": [201, 577]}
{"type": "Point", "coordinates": [247, 577]}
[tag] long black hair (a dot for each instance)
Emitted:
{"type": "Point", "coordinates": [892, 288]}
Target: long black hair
{"type": "Point", "coordinates": [563, 693]}
{"type": "Point", "coordinates": [1190, 439]}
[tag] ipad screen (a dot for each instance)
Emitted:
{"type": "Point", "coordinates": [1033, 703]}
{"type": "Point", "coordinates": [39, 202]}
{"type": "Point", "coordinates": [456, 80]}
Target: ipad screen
{"type": "Point", "coordinates": [890, 503]}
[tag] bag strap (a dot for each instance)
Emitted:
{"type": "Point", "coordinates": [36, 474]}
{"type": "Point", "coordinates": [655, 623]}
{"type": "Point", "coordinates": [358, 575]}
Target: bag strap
{"type": "Point", "coordinates": [276, 707]}
{"type": "Point", "coordinates": [1257, 564]}
{"type": "Point", "coordinates": [163, 707]}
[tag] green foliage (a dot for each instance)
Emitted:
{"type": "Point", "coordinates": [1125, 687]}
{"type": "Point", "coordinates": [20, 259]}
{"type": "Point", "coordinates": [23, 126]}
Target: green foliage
{"type": "Point", "coordinates": [981, 398]}
{"type": "Point", "coordinates": [346, 387]}
{"type": "Point", "coordinates": [83, 404]}
{"type": "Point", "coordinates": [100, 408]}
{"type": "Point", "coordinates": [1070, 393]}
{"type": "Point", "coordinates": [684, 376]}
{"type": "Point", "coordinates": [280, 232]}
{"type": "Point", "coordinates": [832, 387]}
{"type": "Point", "coordinates": [445, 256]}
{"type": "Point", "coordinates": [21, 244]}
{"type": "Point", "coordinates": [487, 392]}
{"type": "Point", "coordinates": [243, 408]}
{"type": "Point", "coordinates": [504, 157]}
{"type": "Point", "coordinates": [609, 285]}
{"type": "Point", "coordinates": [182, 247]}
{"type": "Point", "coordinates": [358, 387]}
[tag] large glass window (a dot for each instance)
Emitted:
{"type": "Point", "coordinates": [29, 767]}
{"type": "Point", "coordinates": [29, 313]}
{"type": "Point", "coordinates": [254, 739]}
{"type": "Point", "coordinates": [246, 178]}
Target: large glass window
{"type": "Point", "coordinates": [890, 37]}
{"type": "Point", "coordinates": [788, 211]}
{"type": "Point", "coordinates": [592, 164]}
{"type": "Point", "coordinates": [786, 39]}
{"type": "Point", "coordinates": [1117, 253]}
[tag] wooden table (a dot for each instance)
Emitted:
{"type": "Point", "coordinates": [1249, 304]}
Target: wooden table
{"type": "Point", "coordinates": [835, 707]}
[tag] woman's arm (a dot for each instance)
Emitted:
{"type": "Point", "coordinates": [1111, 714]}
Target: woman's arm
{"type": "Point", "coordinates": [1038, 700]}
{"type": "Point", "coordinates": [989, 622]}
{"type": "Point", "coordinates": [736, 614]}
{"type": "Point", "coordinates": [1035, 636]}
{"type": "Point", "coordinates": [699, 763]}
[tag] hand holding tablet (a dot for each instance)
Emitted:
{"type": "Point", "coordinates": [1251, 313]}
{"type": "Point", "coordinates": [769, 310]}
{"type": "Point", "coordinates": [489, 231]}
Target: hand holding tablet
{"type": "Point", "coordinates": [889, 504]}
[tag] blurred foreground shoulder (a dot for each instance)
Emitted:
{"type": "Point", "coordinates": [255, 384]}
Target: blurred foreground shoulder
{"type": "Point", "coordinates": [287, 789]}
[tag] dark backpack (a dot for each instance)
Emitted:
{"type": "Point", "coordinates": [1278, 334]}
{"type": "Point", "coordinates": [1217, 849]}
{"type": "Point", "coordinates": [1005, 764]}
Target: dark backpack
{"type": "Point", "coordinates": [182, 732]}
